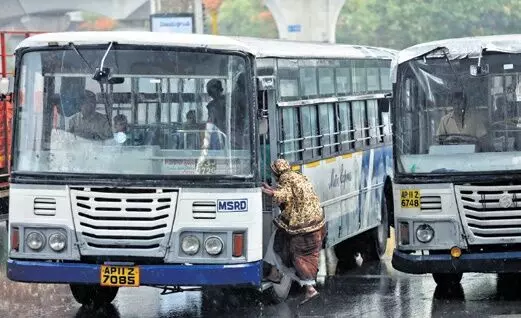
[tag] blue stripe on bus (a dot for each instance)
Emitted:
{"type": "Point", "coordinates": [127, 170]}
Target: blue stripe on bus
{"type": "Point", "coordinates": [180, 275]}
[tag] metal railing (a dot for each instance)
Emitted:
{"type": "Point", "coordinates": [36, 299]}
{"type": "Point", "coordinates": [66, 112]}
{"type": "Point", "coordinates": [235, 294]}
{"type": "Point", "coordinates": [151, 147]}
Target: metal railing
{"type": "Point", "coordinates": [4, 52]}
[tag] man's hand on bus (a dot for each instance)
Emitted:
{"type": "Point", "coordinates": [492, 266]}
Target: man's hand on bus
{"type": "Point", "coordinates": [267, 189]}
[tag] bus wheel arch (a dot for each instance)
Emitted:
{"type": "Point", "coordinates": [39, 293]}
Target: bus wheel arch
{"type": "Point", "coordinates": [88, 294]}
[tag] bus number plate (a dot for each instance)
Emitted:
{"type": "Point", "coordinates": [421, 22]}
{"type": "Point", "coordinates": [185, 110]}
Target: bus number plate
{"type": "Point", "coordinates": [120, 276]}
{"type": "Point", "coordinates": [410, 198]}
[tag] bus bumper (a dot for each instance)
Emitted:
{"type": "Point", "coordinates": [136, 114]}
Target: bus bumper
{"type": "Point", "coordinates": [497, 262]}
{"type": "Point", "coordinates": [164, 274]}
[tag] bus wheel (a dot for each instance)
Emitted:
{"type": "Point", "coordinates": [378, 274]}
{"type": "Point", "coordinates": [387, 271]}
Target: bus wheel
{"type": "Point", "coordinates": [447, 279]}
{"type": "Point", "coordinates": [93, 294]}
{"type": "Point", "coordinates": [278, 293]}
{"type": "Point", "coordinates": [381, 233]}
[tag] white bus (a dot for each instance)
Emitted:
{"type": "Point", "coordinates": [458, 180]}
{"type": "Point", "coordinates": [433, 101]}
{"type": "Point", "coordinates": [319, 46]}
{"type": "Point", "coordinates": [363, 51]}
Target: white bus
{"type": "Point", "coordinates": [174, 199]}
{"type": "Point", "coordinates": [457, 119]}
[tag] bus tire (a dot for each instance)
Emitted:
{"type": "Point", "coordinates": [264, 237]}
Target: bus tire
{"type": "Point", "coordinates": [93, 294]}
{"type": "Point", "coordinates": [447, 279]}
{"type": "Point", "coordinates": [380, 234]}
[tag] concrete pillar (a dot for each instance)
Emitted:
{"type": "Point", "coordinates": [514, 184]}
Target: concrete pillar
{"type": "Point", "coordinates": [306, 20]}
{"type": "Point", "coordinates": [49, 22]}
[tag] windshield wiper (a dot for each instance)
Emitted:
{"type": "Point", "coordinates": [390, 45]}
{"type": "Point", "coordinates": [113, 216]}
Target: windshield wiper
{"type": "Point", "coordinates": [100, 74]}
{"type": "Point", "coordinates": [460, 81]}
{"type": "Point", "coordinates": [81, 56]}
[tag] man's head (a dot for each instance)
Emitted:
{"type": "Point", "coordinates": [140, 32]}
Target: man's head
{"type": "Point", "coordinates": [88, 103]}
{"type": "Point", "coordinates": [280, 166]}
{"type": "Point", "coordinates": [458, 100]}
{"type": "Point", "coordinates": [214, 88]}
{"type": "Point", "coordinates": [120, 123]}
{"type": "Point", "coordinates": [190, 117]}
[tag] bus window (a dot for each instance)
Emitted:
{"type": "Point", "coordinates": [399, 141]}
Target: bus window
{"type": "Point", "coordinates": [326, 84]}
{"type": "Point", "coordinates": [343, 80]}
{"type": "Point", "coordinates": [359, 77]}
{"type": "Point", "coordinates": [170, 106]}
{"type": "Point", "coordinates": [345, 127]}
{"type": "Point", "coordinates": [290, 142]}
{"type": "Point", "coordinates": [373, 121]}
{"type": "Point", "coordinates": [359, 123]}
{"type": "Point", "coordinates": [288, 79]}
{"type": "Point", "coordinates": [373, 78]}
{"type": "Point", "coordinates": [148, 96]}
{"type": "Point", "coordinates": [385, 77]}
{"type": "Point", "coordinates": [308, 81]}
{"type": "Point", "coordinates": [327, 129]}
{"type": "Point", "coordinates": [309, 132]}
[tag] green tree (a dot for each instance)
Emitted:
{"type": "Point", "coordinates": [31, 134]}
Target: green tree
{"type": "Point", "coordinates": [246, 18]}
{"type": "Point", "coordinates": [401, 23]}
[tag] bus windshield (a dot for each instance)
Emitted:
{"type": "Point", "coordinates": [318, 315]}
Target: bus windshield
{"type": "Point", "coordinates": [157, 112]}
{"type": "Point", "coordinates": [459, 116]}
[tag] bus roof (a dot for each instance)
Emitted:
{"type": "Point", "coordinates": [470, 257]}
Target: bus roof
{"type": "Point", "coordinates": [255, 46]}
{"type": "Point", "coordinates": [469, 47]}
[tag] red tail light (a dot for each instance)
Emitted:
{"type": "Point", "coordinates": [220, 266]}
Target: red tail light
{"type": "Point", "coordinates": [15, 239]}
{"type": "Point", "coordinates": [238, 244]}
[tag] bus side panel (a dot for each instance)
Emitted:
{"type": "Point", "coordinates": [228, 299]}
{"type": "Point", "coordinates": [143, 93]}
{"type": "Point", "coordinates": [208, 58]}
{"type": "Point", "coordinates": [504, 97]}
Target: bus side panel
{"type": "Point", "coordinates": [350, 188]}
{"type": "Point", "coordinates": [337, 182]}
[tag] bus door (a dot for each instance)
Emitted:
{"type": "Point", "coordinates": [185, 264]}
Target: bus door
{"type": "Point", "coordinates": [505, 113]}
{"type": "Point", "coordinates": [266, 100]}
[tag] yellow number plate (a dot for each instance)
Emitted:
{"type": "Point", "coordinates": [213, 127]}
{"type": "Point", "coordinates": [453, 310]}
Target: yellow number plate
{"type": "Point", "coordinates": [410, 199]}
{"type": "Point", "coordinates": [119, 276]}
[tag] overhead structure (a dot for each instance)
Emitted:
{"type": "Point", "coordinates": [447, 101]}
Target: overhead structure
{"type": "Point", "coordinates": [50, 15]}
{"type": "Point", "coordinates": [306, 20]}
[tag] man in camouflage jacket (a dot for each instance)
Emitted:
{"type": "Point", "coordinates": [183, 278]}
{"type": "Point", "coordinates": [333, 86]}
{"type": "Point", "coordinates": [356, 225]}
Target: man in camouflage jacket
{"type": "Point", "coordinates": [301, 225]}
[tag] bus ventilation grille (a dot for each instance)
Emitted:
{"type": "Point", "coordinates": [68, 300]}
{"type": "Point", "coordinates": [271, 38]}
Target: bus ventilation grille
{"type": "Point", "coordinates": [44, 206]}
{"type": "Point", "coordinates": [204, 210]}
{"type": "Point", "coordinates": [431, 203]}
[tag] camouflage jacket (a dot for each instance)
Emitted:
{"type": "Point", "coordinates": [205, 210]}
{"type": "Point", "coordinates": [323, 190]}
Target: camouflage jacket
{"type": "Point", "coordinates": [302, 212]}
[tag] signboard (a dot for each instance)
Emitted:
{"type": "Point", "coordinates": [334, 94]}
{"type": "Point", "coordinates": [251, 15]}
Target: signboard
{"type": "Point", "coordinates": [294, 28]}
{"type": "Point", "coordinates": [177, 23]}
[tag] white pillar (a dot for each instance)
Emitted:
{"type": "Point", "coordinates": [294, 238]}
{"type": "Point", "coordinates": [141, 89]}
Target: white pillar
{"type": "Point", "coordinates": [198, 16]}
{"type": "Point", "coordinates": [306, 20]}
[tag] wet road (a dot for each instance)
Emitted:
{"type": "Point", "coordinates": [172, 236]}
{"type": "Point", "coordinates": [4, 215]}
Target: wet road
{"type": "Point", "coordinates": [373, 290]}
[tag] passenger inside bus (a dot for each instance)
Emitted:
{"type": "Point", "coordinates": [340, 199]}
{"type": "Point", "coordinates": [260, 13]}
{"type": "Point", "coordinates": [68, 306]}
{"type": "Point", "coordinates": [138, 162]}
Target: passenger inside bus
{"type": "Point", "coordinates": [88, 123]}
{"type": "Point", "coordinates": [121, 131]}
{"type": "Point", "coordinates": [462, 125]}
{"type": "Point", "coordinates": [190, 128]}
{"type": "Point", "coordinates": [217, 106]}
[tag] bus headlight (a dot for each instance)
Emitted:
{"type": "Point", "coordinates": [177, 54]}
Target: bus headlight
{"type": "Point", "coordinates": [190, 245]}
{"type": "Point", "coordinates": [35, 241]}
{"type": "Point", "coordinates": [213, 245]}
{"type": "Point", "coordinates": [424, 233]}
{"type": "Point", "coordinates": [57, 242]}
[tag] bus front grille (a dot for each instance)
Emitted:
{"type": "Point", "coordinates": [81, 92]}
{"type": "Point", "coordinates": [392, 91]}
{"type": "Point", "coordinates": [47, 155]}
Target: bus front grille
{"type": "Point", "coordinates": [128, 223]}
{"type": "Point", "coordinates": [491, 213]}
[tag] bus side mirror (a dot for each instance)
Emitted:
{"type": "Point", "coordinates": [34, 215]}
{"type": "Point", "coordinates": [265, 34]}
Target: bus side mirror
{"type": "Point", "coordinates": [477, 70]}
{"type": "Point", "coordinates": [5, 88]}
{"type": "Point", "coordinates": [5, 85]}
